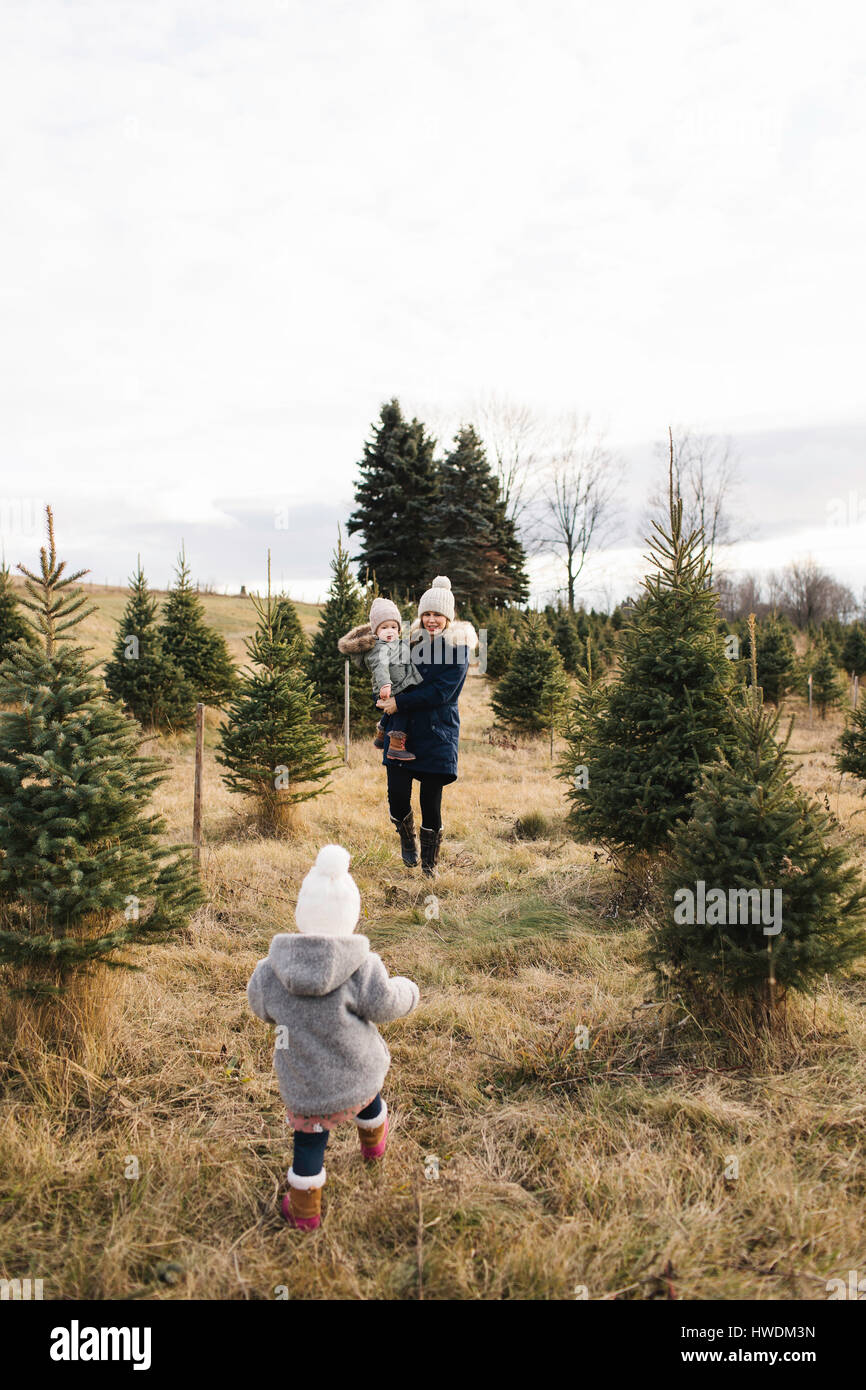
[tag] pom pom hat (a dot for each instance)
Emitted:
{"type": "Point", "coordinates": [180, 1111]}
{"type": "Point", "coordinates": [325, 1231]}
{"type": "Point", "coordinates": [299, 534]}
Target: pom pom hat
{"type": "Point", "coordinates": [329, 903]}
{"type": "Point", "coordinates": [438, 599]}
{"type": "Point", "coordinates": [382, 610]}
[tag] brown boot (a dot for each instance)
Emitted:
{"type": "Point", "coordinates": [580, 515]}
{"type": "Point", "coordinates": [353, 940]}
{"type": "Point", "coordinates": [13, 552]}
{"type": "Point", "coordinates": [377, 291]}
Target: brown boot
{"type": "Point", "coordinates": [373, 1135]}
{"type": "Point", "coordinates": [397, 748]}
{"type": "Point", "coordinates": [379, 736]}
{"type": "Point", "coordinates": [302, 1206]}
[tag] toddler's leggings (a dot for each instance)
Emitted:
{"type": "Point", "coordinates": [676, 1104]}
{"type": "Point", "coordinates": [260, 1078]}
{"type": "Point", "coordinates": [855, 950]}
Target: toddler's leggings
{"type": "Point", "coordinates": [308, 1158]}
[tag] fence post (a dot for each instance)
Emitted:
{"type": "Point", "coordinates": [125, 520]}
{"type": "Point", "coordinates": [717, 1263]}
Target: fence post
{"type": "Point", "coordinates": [196, 803]}
{"type": "Point", "coordinates": [810, 699]}
{"type": "Point", "coordinates": [856, 690]}
{"type": "Point", "coordinates": [346, 714]}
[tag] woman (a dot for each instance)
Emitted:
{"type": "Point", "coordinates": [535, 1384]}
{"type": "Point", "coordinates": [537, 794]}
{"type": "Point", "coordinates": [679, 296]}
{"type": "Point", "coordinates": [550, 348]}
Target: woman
{"type": "Point", "coordinates": [441, 651]}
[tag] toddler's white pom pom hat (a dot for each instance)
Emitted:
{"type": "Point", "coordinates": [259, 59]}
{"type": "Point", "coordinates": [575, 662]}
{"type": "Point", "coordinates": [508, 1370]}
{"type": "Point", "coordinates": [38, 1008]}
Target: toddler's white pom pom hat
{"type": "Point", "coordinates": [438, 598]}
{"type": "Point", "coordinates": [329, 903]}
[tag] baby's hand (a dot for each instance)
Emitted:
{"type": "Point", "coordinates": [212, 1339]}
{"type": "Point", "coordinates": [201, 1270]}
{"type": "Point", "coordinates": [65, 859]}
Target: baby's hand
{"type": "Point", "coordinates": [385, 692]}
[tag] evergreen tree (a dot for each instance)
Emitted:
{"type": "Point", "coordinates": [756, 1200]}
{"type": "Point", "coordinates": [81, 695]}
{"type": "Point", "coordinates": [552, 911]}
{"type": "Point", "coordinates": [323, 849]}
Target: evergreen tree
{"type": "Point", "coordinates": [567, 641]}
{"type": "Point", "coordinates": [394, 498]}
{"type": "Point", "coordinates": [826, 686]}
{"type": "Point", "coordinates": [853, 650]}
{"type": "Point", "coordinates": [199, 650]}
{"type": "Point", "coordinates": [533, 692]}
{"type": "Point", "coordinates": [270, 744]}
{"type": "Point", "coordinates": [343, 610]}
{"type": "Point", "coordinates": [752, 830]}
{"type": "Point", "coordinates": [14, 626]}
{"type": "Point", "coordinates": [83, 870]}
{"type": "Point", "coordinates": [777, 658]}
{"type": "Point", "coordinates": [499, 645]}
{"type": "Point", "coordinates": [475, 545]}
{"type": "Point", "coordinates": [852, 758]}
{"type": "Point", "coordinates": [140, 674]}
{"type": "Point", "coordinates": [285, 617]}
{"type": "Point", "coordinates": [644, 738]}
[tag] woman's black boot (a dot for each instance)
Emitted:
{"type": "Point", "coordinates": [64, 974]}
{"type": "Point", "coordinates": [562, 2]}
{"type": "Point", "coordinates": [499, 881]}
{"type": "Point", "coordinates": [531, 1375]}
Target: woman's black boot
{"type": "Point", "coordinates": [408, 843]}
{"type": "Point", "coordinates": [430, 842]}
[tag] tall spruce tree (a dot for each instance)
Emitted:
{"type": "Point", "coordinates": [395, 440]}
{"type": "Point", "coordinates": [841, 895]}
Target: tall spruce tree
{"type": "Point", "coordinates": [476, 543]}
{"type": "Point", "coordinates": [344, 609]}
{"type": "Point", "coordinates": [270, 744]}
{"type": "Point", "coordinates": [199, 650]}
{"type": "Point", "coordinates": [532, 694]}
{"type": "Point", "coordinates": [14, 626]}
{"type": "Point", "coordinates": [750, 832]}
{"type": "Point", "coordinates": [394, 497]}
{"type": "Point", "coordinates": [84, 872]}
{"type": "Point", "coordinates": [146, 680]}
{"type": "Point", "coordinates": [644, 738]}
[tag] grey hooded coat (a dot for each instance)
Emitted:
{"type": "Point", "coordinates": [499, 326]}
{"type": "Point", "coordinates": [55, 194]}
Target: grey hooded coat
{"type": "Point", "coordinates": [328, 993]}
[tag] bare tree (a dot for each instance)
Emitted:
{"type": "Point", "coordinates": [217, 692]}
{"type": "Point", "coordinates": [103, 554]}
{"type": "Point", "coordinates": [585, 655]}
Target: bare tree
{"type": "Point", "coordinates": [514, 438]}
{"type": "Point", "coordinates": [811, 594]}
{"type": "Point", "coordinates": [706, 477]}
{"type": "Point", "coordinates": [578, 508]}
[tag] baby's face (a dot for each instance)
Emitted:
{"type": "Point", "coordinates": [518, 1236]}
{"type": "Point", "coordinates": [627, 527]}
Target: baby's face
{"type": "Point", "coordinates": [388, 630]}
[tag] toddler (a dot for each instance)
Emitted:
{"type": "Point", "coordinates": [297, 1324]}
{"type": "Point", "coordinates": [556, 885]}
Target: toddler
{"type": "Point", "coordinates": [326, 991]}
{"type": "Point", "coordinates": [380, 645]}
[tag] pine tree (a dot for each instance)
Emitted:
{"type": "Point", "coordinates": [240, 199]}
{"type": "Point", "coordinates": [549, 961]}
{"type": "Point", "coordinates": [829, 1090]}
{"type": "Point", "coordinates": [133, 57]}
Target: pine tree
{"type": "Point", "coordinates": [852, 757]}
{"type": "Point", "coordinates": [533, 692]}
{"type": "Point", "coordinates": [344, 609]}
{"type": "Point", "coordinates": [270, 743]}
{"type": "Point", "coordinates": [14, 626]}
{"type": "Point", "coordinates": [826, 686]}
{"type": "Point", "coordinates": [467, 522]}
{"type": "Point", "coordinates": [499, 646]}
{"type": "Point", "coordinates": [140, 674]}
{"type": "Point", "coordinates": [567, 641]}
{"type": "Point", "coordinates": [84, 872]}
{"type": "Point", "coordinates": [285, 616]}
{"type": "Point", "coordinates": [644, 738]}
{"type": "Point", "coordinates": [199, 650]}
{"type": "Point", "coordinates": [853, 650]}
{"type": "Point", "coordinates": [751, 830]}
{"type": "Point", "coordinates": [394, 498]}
{"type": "Point", "coordinates": [777, 659]}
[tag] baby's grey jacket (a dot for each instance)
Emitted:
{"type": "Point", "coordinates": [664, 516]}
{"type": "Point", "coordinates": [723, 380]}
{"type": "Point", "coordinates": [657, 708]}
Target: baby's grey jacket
{"type": "Point", "coordinates": [328, 993]}
{"type": "Point", "coordinates": [389, 663]}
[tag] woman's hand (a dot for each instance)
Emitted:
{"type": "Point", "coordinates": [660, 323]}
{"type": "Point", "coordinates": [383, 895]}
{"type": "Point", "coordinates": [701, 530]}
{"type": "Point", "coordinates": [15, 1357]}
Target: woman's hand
{"type": "Point", "coordinates": [388, 706]}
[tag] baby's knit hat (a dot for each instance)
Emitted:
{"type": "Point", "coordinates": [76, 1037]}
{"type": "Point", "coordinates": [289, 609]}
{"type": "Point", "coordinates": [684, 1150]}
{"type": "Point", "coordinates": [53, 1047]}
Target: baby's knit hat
{"type": "Point", "coordinates": [329, 903]}
{"type": "Point", "coordinates": [438, 598]}
{"type": "Point", "coordinates": [381, 610]}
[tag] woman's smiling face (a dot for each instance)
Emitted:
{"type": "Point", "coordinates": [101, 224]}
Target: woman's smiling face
{"type": "Point", "coordinates": [433, 622]}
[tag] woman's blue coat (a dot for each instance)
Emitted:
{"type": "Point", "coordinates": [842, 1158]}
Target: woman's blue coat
{"type": "Point", "coordinates": [434, 728]}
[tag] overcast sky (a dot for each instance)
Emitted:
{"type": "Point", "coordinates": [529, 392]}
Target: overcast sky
{"type": "Point", "coordinates": [231, 230]}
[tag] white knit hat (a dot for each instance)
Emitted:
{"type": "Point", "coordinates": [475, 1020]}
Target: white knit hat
{"type": "Point", "coordinates": [438, 599]}
{"type": "Point", "coordinates": [381, 611]}
{"type": "Point", "coordinates": [329, 903]}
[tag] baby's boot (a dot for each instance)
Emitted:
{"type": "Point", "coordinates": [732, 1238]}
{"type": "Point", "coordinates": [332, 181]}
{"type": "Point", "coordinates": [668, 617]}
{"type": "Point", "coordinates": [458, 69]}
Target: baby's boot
{"type": "Point", "coordinates": [379, 735]}
{"type": "Point", "coordinates": [373, 1135]}
{"type": "Point", "coordinates": [397, 748]}
{"type": "Point", "coordinates": [302, 1204]}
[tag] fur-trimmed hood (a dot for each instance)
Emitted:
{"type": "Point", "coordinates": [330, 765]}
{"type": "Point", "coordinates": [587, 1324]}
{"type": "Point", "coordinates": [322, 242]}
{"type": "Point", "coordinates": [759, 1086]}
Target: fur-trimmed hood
{"type": "Point", "coordinates": [358, 641]}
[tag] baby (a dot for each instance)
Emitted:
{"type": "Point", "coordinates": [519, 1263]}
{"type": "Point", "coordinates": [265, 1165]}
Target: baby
{"type": "Point", "coordinates": [380, 645]}
{"type": "Point", "coordinates": [326, 991]}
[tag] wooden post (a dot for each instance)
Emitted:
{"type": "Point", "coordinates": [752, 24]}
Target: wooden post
{"type": "Point", "coordinates": [810, 700]}
{"type": "Point", "coordinates": [551, 727]}
{"type": "Point", "coordinates": [856, 690]}
{"type": "Point", "coordinates": [196, 804]}
{"type": "Point", "coordinates": [346, 714]}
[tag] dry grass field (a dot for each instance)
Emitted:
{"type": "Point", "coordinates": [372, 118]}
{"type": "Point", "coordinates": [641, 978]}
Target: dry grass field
{"type": "Point", "coordinates": [562, 1173]}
